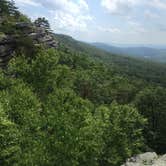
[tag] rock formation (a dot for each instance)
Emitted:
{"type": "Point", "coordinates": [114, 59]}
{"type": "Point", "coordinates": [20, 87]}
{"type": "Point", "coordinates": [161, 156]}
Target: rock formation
{"type": "Point", "coordinates": [6, 49]}
{"type": "Point", "coordinates": [39, 36]}
{"type": "Point", "coordinates": [146, 159]}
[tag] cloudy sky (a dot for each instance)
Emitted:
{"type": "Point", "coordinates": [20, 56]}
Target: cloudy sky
{"type": "Point", "coordinates": [109, 21]}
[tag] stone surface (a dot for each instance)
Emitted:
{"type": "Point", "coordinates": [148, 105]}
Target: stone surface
{"type": "Point", "coordinates": [146, 159]}
{"type": "Point", "coordinates": [38, 35]}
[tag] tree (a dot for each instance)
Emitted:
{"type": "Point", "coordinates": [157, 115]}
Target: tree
{"type": "Point", "coordinates": [12, 8]}
{"type": "Point", "coordinates": [9, 140]}
{"type": "Point", "coordinates": [43, 23]}
{"type": "Point", "coordinates": [24, 109]}
{"type": "Point", "coordinates": [74, 135]}
{"type": "Point", "coordinates": [8, 8]}
{"type": "Point", "coordinates": [42, 73]}
{"type": "Point", "coordinates": [122, 134]}
{"type": "Point", "coordinates": [4, 8]}
{"type": "Point", "coordinates": [151, 102]}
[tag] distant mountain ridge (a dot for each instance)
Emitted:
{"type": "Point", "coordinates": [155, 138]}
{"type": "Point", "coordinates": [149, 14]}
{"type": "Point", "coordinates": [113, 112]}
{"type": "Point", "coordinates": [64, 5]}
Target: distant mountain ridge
{"type": "Point", "coordinates": [149, 53]}
{"type": "Point", "coordinates": [123, 65]}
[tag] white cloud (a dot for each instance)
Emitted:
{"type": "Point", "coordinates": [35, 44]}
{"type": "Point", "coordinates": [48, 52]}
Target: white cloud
{"type": "Point", "coordinates": [109, 30]}
{"type": "Point", "coordinates": [66, 21]}
{"type": "Point", "coordinates": [124, 6]}
{"type": "Point", "coordinates": [65, 14]}
{"type": "Point", "coordinates": [68, 6]}
{"type": "Point", "coordinates": [83, 4]}
{"type": "Point", "coordinates": [161, 4]}
{"type": "Point", "coordinates": [72, 16]}
{"type": "Point", "coordinates": [27, 2]}
{"type": "Point", "coordinates": [119, 6]}
{"type": "Point", "coordinates": [136, 27]}
{"type": "Point", "coordinates": [151, 14]}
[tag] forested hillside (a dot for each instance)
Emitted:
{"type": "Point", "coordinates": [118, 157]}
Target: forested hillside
{"type": "Point", "coordinates": [140, 52]}
{"type": "Point", "coordinates": [73, 104]}
{"type": "Point", "coordinates": [127, 66]}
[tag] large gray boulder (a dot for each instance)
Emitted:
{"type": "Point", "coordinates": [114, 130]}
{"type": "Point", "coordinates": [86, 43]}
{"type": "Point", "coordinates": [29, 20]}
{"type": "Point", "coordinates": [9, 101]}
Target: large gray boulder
{"type": "Point", "coordinates": [146, 159]}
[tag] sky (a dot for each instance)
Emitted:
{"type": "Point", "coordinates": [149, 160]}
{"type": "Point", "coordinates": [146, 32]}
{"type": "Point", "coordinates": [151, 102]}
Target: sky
{"type": "Point", "coordinates": [107, 21]}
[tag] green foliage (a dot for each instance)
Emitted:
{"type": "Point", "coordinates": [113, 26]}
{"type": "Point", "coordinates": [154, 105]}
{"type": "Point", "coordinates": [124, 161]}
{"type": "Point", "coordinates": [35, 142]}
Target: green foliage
{"type": "Point", "coordinates": [8, 15]}
{"type": "Point", "coordinates": [57, 123]}
{"type": "Point", "coordinates": [21, 105]}
{"type": "Point", "coordinates": [9, 140]}
{"type": "Point", "coordinates": [43, 23]}
{"type": "Point", "coordinates": [7, 7]}
{"type": "Point", "coordinates": [42, 73]}
{"type": "Point", "coordinates": [73, 134]}
{"type": "Point", "coordinates": [151, 102]}
{"type": "Point", "coordinates": [66, 107]}
{"type": "Point", "coordinates": [23, 109]}
{"type": "Point", "coordinates": [122, 133]}
{"type": "Point", "coordinates": [121, 65]}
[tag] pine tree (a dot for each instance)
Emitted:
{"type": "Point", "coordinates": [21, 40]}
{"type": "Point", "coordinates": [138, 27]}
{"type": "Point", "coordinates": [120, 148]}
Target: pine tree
{"type": "Point", "coordinates": [12, 8]}
{"type": "Point", "coordinates": [8, 8]}
{"type": "Point", "coordinates": [43, 23]}
{"type": "Point", "coordinates": [3, 7]}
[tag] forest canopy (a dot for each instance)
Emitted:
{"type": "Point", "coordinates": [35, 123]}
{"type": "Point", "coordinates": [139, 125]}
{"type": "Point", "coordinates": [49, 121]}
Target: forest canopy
{"type": "Point", "coordinates": [61, 107]}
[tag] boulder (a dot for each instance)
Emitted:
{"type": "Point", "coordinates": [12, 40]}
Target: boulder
{"type": "Point", "coordinates": [146, 159]}
{"type": "Point", "coordinates": [161, 161]}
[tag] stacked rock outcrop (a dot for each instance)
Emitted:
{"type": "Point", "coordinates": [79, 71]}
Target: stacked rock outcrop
{"type": "Point", "coordinates": [38, 35]}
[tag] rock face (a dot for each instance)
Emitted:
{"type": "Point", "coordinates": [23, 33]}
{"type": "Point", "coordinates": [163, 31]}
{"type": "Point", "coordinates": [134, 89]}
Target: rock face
{"type": "Point", "coordinates": [6, 49]}
{"type": "Point", "coordinates": [146, 159]}
{"type": "Point", "coordinates": [38, 35]}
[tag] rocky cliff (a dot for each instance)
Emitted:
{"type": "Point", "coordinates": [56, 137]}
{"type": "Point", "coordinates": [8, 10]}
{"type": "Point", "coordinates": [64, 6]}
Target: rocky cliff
{"type": "Point", "coordinates": [38, 36]}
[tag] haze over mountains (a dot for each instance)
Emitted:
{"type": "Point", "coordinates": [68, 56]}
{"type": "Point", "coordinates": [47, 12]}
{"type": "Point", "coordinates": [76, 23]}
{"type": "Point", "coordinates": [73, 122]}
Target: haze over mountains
{"type": "Point", "coordinates": [144, 52]}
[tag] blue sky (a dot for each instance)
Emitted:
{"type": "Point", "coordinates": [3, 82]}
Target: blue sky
{"type": "Point", "coordinates": [108, 21]}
